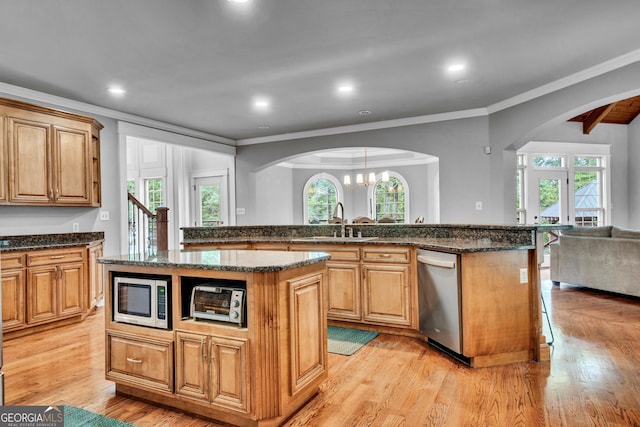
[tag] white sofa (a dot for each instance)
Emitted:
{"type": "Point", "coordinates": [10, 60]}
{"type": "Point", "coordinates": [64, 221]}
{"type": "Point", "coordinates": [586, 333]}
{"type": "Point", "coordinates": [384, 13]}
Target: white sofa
{"type": "Point", "coordinates": [605, 258]}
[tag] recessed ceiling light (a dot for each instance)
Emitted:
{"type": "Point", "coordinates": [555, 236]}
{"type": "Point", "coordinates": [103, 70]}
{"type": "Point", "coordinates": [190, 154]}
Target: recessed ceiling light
{"type": "Point", "coordinates": [264, 127]}
{"type": "Point", "coordinates": [261, 103]}
{"type": "Point", "coordinates": [453, 68]}
{"type": "Point", "coordinates": [345, 89]}
{"type": "Point", "coordinates": [364, 112]}
{"type": "Point", "coordinates": [238, 1]}
{"type": "Point", "coordinates": [116, 90]}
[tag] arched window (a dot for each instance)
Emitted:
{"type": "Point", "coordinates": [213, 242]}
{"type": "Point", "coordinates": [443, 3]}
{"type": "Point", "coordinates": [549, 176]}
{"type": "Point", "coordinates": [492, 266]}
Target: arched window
{"type": "Point", "coordinates": [322, 192]}
{"type": "Point", "coordinates": [391, 199]}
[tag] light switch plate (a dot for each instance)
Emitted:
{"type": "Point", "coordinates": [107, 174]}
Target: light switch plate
{"type": "Point", "coordinates": [478, 206]}
{"type": "Point", "coordinates": [76, 227]}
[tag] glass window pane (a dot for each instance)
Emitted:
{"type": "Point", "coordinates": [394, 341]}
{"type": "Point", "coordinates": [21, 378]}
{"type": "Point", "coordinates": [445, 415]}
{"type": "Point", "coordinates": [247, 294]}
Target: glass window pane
{"type": "Point", "coordinates": [548, 161]}
{"type": "Point", "coordinates": [321, 201]}
{"type": "Point", "coordinates": [390, 200]}
{"type": "Point", "coordinates": [210, 205]}
{"type": "Point", "coordinates": [588, 198]}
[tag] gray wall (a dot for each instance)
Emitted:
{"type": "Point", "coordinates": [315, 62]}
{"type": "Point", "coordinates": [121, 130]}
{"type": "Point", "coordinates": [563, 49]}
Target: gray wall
{"type": "Point", "coordinates": [464, 168]}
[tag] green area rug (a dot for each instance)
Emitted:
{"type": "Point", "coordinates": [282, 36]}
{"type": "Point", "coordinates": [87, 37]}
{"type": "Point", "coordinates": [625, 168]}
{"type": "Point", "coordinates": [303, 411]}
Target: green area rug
{"type": "Point", "coordinates": [347, 341]}
{"type": "Point", "coordinates": [77, 417]}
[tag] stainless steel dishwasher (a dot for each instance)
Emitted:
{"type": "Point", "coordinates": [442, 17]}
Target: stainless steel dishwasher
{"type": "Point", "coordinates": [439, 299]}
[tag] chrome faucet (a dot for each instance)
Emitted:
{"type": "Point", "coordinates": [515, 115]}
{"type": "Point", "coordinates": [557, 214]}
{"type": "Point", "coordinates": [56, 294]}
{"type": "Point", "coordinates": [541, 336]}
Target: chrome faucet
{"type": "Point", "coordinates": [335, 215]}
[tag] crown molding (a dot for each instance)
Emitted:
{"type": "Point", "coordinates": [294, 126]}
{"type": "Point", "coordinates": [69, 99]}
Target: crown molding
{"type": "Point", "coordinates": [37, 96]}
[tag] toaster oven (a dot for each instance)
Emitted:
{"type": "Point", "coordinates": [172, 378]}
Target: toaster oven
{"type": "Point", "coordinates": [218, 303]}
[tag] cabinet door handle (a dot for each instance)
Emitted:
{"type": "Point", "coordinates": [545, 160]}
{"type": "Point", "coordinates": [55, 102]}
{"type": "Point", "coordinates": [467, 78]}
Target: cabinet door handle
{"type": "Point", "coordinates": [204, 350]}
{"type": "Point", "coordinates": [57, 256]}
{"type": "Point", "coordinates": [132, 360]}
{"type": "Point", "coordinates": [385, 255]}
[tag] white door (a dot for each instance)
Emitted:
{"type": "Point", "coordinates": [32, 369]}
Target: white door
{"type": "Point", "coordinates": [210, 200]}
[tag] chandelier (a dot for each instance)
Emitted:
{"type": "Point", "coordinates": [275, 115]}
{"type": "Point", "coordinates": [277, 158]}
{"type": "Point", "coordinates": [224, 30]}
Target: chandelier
{"type": "Point", "coordinates": [371, 176]}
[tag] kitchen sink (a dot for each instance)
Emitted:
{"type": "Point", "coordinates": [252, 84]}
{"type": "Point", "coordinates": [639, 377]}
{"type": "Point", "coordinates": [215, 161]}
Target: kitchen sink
{"type": "Point", "coordinates": [332, 239]}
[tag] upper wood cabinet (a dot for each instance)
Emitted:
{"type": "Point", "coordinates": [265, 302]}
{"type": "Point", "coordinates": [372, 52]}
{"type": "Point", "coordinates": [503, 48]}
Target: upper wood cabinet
{"type": "Point", "coordinates": [48, 157]}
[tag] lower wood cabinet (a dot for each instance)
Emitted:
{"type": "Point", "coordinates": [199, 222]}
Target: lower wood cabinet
{"type": "Point", "coordinates": [13, 299]}
{"type": "Point", "coordinates": [47, 285]}
{"type": "Point", "coordinates": [213, 369]}
{"type": "Point", "coordinates": [386, 291]}
{"type": "Point", "coordinates": [139, 361]}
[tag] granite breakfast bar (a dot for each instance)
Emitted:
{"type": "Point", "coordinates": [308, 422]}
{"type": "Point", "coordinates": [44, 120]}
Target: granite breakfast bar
{"type": "Point", "coordinates": [256, 373]}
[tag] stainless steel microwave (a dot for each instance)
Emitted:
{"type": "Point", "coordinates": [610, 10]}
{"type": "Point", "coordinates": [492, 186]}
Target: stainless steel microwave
{"type": "Point", "coordinates": [142, 301]}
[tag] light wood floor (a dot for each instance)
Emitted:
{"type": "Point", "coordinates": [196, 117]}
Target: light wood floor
{"type": "Point", "coordinates": [593, 378]}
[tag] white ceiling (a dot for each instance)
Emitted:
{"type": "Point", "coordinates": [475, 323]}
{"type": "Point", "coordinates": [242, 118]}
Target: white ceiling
{"type": "Point", "coordinates": [200, 63]}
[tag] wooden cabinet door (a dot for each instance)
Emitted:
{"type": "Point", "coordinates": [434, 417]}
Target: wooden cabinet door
{"type": "Point", "coordinates": [70, 289]}
{"type": "Point", "coordinates": [41, 294]}
{"type": "Point", "coordinates": [192, 367]}
{"type": "Point", "coordinates": [229, 373]}
{"type": "Point", "coordinates": [308, 331]}
{"type": "Point", "coordinates": [343, 283]}
{"type": "Point", "coordinates": [13, 300]}
{"type": "Point", "coordinates": [29, 161]}
{"type": "Point", "coordinates": [72, 166]}
{"type": "Point", "coordinates": [386, 294]}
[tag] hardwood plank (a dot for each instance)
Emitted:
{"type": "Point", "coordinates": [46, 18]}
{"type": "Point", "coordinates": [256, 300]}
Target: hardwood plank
{"type": "Point", "coordinates": [592, 379]}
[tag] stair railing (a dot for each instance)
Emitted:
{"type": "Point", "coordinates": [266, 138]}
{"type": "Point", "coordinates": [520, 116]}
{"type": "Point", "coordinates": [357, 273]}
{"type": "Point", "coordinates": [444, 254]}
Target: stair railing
{"type": "Point", "coordinates": [147, 232]}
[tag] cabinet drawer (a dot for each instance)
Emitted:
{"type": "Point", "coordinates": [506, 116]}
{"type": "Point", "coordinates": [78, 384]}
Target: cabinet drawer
{"type": "Point", "coordinates": [140, 361]}
{"type": "Point", "coordinates": [337, 252]}
{"type": "Point", "coordinates": [55, 256]}
{"type": "Point", "coordinates": [9, 261]}
{"type": "Point", "coordinates": [396, 255]}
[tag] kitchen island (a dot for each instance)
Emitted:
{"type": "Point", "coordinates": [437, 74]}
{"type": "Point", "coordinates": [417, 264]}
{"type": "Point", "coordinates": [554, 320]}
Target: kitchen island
{"type": "Point", "coordinates": [372, 278]}
{"type": "Point", "coordinates": [253, 373]}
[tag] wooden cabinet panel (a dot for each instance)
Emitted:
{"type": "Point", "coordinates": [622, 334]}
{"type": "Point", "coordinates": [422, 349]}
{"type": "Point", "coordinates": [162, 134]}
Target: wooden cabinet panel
{"type": "Point", "coordinates": [72, 173]}
{"type": "Point", "coordinates": [96, 285]}
{"type": "Point", "coordinates": [47, 157]}
{"type": "Point", "coordinates": [386, 294]}
{"type": "Point", "coordinates": [213, 369]}
{"type": "Point", "coordinates": [229, 373]}
{"type": "Point", "coordinates": [307, 326]}
{"type": "Point", "coordinates": [4, 166]}
{"type": "Point", "coordinates": [12, 260]}
{"type": "Point", "coordinates": [55, 256]}
{"type": "Point", "coordinates": [55, 284]}
{"type": "Point", "coordinates": [343, 283]}
{"type": "Point", "coordinates": [146, 362]}
{"type": "Point", "coordinates": [70, 289]}
{"type": "Point", "coordinates": [394, 255]}
{"type": "Point", "coordinates": [29, 161]}
{"type": "Point", "coordinates": [192, 369]}
{"type": "Point", "coordinates": [489, 328]}
{"type": "Point", "coordinates": [13, 300]}
{"type": "Point", "coordinates": [41, 294]}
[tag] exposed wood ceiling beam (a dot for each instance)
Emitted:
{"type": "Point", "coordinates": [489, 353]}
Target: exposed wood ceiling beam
{"type": "Point", "coordinates": [596, 117]}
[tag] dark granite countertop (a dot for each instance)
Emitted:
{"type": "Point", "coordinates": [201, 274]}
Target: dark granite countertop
{"type": "Point", "coordinates": [439, 237]}
{"type": "Point", "coordinates": [48, 241]}
{"type": "Point", "coordinates": [221, 260]}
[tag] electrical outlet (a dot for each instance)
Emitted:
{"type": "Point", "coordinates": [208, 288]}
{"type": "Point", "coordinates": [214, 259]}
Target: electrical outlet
{"type": "Point", "coordinates": [239, 211]}
{"type": "Point", "coordinates": [524, 275]}
{"type": "Point", "coordinates": [104, 215]}
{"type": "Point", "coordinates": [76, 227]}
{"type": "Point", "coordinates": [478, 206]}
